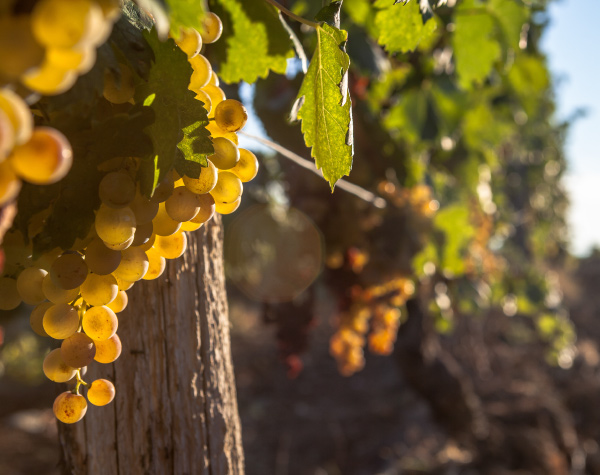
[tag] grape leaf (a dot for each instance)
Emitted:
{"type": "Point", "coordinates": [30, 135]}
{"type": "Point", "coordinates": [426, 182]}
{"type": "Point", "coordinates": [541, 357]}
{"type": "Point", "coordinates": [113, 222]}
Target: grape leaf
{"type": "Point", "coordinates": [254, 41]}
{"type": "Point", "coordinates": [324, 105]}
{"type": "Point", "coordinates": [179, 120]}
{"type": "Point", "coordinates": [186, 14]}
{"type": "Point", "coordinates": [511, 16]}
{"type": "Point", "coordinates": [454, 222]}
{"type": "Point", "coordinates": [401, 28]}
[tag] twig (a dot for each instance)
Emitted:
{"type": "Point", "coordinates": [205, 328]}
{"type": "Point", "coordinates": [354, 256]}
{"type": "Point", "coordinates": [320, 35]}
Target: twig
{"type": "Point", "coordinates": [342, 184]}
{"type": "Point", "coordinates": [292, 15]}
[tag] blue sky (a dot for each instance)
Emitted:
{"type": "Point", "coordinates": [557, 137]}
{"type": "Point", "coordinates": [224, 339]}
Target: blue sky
{"type": "Point", "coordinates": [571, 44]}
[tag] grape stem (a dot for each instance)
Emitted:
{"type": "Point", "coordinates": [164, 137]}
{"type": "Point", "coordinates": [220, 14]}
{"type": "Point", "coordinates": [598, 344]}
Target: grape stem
{"type": "Point", "coordinates": [79, 382]}
{"type": "Point", "coordinates": [292, 15]}
{"type": "Point", "coordinates": [342, 184]}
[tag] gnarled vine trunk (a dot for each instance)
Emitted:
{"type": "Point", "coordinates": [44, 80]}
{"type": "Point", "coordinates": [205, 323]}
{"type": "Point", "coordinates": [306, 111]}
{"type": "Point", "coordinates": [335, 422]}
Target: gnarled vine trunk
{"type": "Point", "coordinates": [175, 411]}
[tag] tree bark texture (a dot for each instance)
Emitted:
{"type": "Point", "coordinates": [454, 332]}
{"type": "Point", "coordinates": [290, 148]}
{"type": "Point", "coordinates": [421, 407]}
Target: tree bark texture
{"type": "Point", "coordinates": [175, 410]}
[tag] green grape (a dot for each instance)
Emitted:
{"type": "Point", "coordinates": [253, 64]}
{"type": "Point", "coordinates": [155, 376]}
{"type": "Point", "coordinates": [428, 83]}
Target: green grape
{"type": "Point", "coordinates": [78, 59]}
{"type": "Point", "coordinates": [61, 321]}
{"type": "Point", "coordinates": [205, 182]}
{"type": "Point", "coordinates": [115, 226]}
{"type": "Point", "coordinates": [29, 285]}
{"type": "Point", "coordinates": [108, 350]}
{"type": "Point", "coordinates": [78, 350]}
{"type": "Point", "coordinates": [100, 323]}
{"type": "Point", "coordinates": [123, 284]}
{"type": "Point", "coordinates": [143, 233]}
{"type": "Point", "coordinates": [205, 98]}
{"type": "Point", "coordinates": [231, 115]}
{"type": "Point", "coordinates": [189, 41]}
{"type": "Point", "coordinates": [119, 89]}
{"type": "Point", "coordinates": [69, 271]}
{"type": "Point", "coordinates": [228, 188]}
{"type": "Point", "coordinates": [101, 392]}
{"type": "Point", "coordinates": [36, 319]}
{"type": "Point", "coordinates": [117, 189]}
{"type": "Point", "coordinates": [56, 368]}
{"type": "Point", "coordinates": [120, 302]}
{"type": "Point", "coordinates": [18, 113]}
{"type": "Point", "coordinates": [144, 209]}
{"type": "Point", "coordinates": [99, 289]}
{"type": "Point", "coordinates": [165, 188]}
{"type": "Point", "coordinates": [227, 208]}
{"type": "Point", "coordinates": [171, 247]}
{"type": "Point", "coordinates": [226, 153]}
{"type": "Point", "coordinates": [214, 79]}
{"type": "Point", "coordinates": [216, 95]}
{"type": "Point", "coordinates": [49, 80]}
{"type": "Point", "coordinates": [10, 185]}
{"type": "Point", "coordinates": [247, 168]}
{"type": "Point", "coordinates": [213, 28]}
{"type": "Point", "coordinates": [19, 50]}
{"type": "Point", "coordinates": [57, 294]}
{"type": "Point", "coordinates": [133, 266]}
{"type": "Point", "coordinates": [201, 75]}
{"type": "Point", "coordinates": [46, 158]}
{"type": "Point", "coordinates": [163, 224]}
{"type": "Point", "coordinates": [100, 259]}
{"type": "Point", "coordinates": [183, 204]}
{"type": "Point", "coordinates": [157, 264]}
{"type": "Point", "coordinates": [69, 408]}
{"type": "Point", "coordinates": [207, 209]}
{"type": "Point", "coordinates": [9, 294]}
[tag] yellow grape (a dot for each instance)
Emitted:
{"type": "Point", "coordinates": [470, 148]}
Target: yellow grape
{"type": "Point", "coordinates": [247, 168]}
{"type": "Point", "coordinates": [115, 226]}
{"type": "Point", "coordinates": [69, 271]}
{"type": "Point", "coordinates": [216, 95]}
{"type": "Point", "coordinates": [122, 245]}
{"type": "Point", "coordinates": [163, 224]}
{"type": "Point", "coordinates": [100, 259]}
{"type": "Point", "coordinates": [123, 284]}
{"type": "Point", "coordinates": [18, 114]}
{"type": "Point", "coordinates": [119, 89]}
{"type": "Point", "coordinates": [56, 368]}
{"type": "Point", "coordinates": [61, 321]}
{"type": "Point", "coordinates": [117, 189]}
{"type": "Point", "coordinates": [69, 408]}
{"type": "Point", "coordinates": [201, 75]}
{"type": "Point", "coordinates": [216, 131]}
{"type": "Point", "coordinates": [78, 350]}
{"type": "Point", "coordinates": [10, 185]}
{"type": "Point", "coordinates": [182, 205]}
{"type": "Point", "coordinates": [228, 188]}
{"type": "Point", "coordinates": [144, 209]}
{"type": "Point", "coordinates": [165, 188]}
{"type": "Point", "coordinates": [226, 153]}
{"type": "Point", "coordinates": [57, 294]}
{"type": "Point", "coordinates": [157, 264]}
{"type": "Point", "coordinates": [7, 136]}
{"type": "Point", "coordinates": [148, 244]}
{"type": "Point", "coordinates": [49, 80]}
{"type": "Point", "coordinates": [189, 226]}
{"type": "Point", "coordinates": [214, 79]}
{"type": "Point", "coordinates": [213, 28]}
{"type": "Point", "coordinates": [227, 208]}
{"type": "Point", "coordinates": [100, 323]}
{"type": "Point", "coordinates": [231, 115]}
{"type": "Point", "coordinates": [65, 23]}
{"type": "Point", "coordinates": [120, 302]}
{"type": "Point", "coordinates": [189, 41]}
{"type": "Point", "coordinates": [46, 158]}
{"type": "Point", "coordinates": [143, 233]}
{"type": "Point", "coordinates": [46, 260]}
{"type": "Point", "coordinates": [29, 285]}
{"type": "Point", "coordinates": [134, 265]}
{"type": "Point", "coordinates": [207, 209]}
{"type": "Point", "coordinates": [205, 99]}
{"type": "Point", "coordinates": [101, 392]}
{"type": "Point", "coordinates": [79, 59]}
{"type": "Point", "coordinates": [9, 294]}
{"type": "Point", "coordinates": [205, 182]}
{"type": "Point", "coordinates": [99, 289]}
{"type": "Point", "coordinates": [108, 350]}
{"type": "Point", "coordinates": [19, 50]}
{"type": "Point", "coordinates": [36, 319]}
{"type": "Point", "coordinates": [171, 247]}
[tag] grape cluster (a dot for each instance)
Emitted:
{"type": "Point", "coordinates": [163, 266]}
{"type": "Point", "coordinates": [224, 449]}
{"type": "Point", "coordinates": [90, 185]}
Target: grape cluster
{"type": "Point", "coordinates": [78, 293]}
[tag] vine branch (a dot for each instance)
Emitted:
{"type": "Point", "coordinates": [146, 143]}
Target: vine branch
{"type": "Point", "coordinates": [342, 184]}
{"type": "Point", "coordinates": [292, 15]}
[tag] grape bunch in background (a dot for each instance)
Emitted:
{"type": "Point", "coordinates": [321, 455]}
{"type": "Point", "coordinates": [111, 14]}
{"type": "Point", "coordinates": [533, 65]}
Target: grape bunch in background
{"type": "Point", "coordinates": [79, 292]}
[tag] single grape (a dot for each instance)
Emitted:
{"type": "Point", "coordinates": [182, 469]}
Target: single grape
{"type": "Point", "coordinates": [117, 189]}
{"type": "Point", "coordinates": [80, 59]}
{"type": "Point", "coordinates": [205, 182]}
{"type": "Point", "coordinates": [18, 114]}
{"type": "Point", "coordinates": [183, 204]}
{"type": "Point", "coordinates": [100, 323]}
{"type": "Point", "coordinates": [9, 294]}
{"type": "Point", "coordinates": [46, 158]}
{"type": "Point", "coordinates": [108, 350]}
{"type": "Point", "coordinates": [189, 41]}
{"type": "Point", "coordinates": [57, 294]}
{"type": "Point", "coordinates": [115, 226]}
{"type": "Point", "coordinates": [228, 188]}
{"type": "Point", "coordinates": [165, 188]}
{"type": "Point", "coordinates": [133, 266]}
{"type": "Point", "coordinates": [207, 209]}
{"type": "Point", "coordinates": [189, 226]}
{"type": "Point", "coordinates": [49, 80]}
{"type": "Point", "coordinates": [10, 185]}
{"type": "Point", "coordinates": [56, 368]}
{"type": "Point", "coordinates": [148, 244]}
{"type": "Point", "coordinates": [19, 50]}
{"type": "Point", "coordinates": [69, 271]}
{"type": "Point", "coordinates": [143, 233]}
{"type": "Point", "coordinates": [227, 208]}
{"type": "Point", "coordinates": [214, 79]}
{"type": "Point", "coordinates": [247, 168]}
{"type": "Point", "coordinates": [216, 95]}
{"type": "Point", "coordinates": [163, 224]}
{"type": "Point", "coordinates": [61, 321]}
{"type": "Point", "coordinates": [78, 350]}
{"type": "Point", "coordinates": [205, 99]}
{"type": "Point", "coordinates": [144, 209]}
{"type": "Point", "coordinates": [101, 392]}
{"type": "Point", "coordinates": [100, 259]}
{"type": "Point", "coordinates": [120, 302]}
{"type": "Point", "coordinates": [213, 28]}
{"type": "Point", "coordinates": [122, 245]}
{"type": "Point", "coordinates": [119, 88]}
{"type": "Point", "coordinates": [231, 115]}
{"type": "Point", "coordinates": [123, 284]}
{"type": "Point", "coordinates": [216, 131]}
{"type": "Point", "coordinates": [226, 153]}
{"type": "Point", "coordinates": [29, 285]}
{"type": "Point", "coordinates": [7, 135]}
{"type": "Point", "coordinates": [201, 75]}
{"type": "Point", "coordinates": [36, 319]}
{"type": "Point", "coordinates": [69, 408]}
{"type": "Point", "coordinates": [99, 289]}
{"type": "Point", "coordinates": [157, 264]}
{"type": "Point", "coordinates": [171, 247]}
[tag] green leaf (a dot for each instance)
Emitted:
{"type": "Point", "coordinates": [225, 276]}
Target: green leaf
{"type": "Point", "coordinates": [454, 222]}
{"type": "Point", "coordinates": [186, 14]}
{"type": "Point", "coordinates": [254, 41]}
{"type": "Point", "coordinates": [330, 14]}
{"type": "Point", "coordinates": [325, 105]}
{"type": "Point", "coordinates": [401, 27]}
{"type": "Point", "coordinates": [511, 16]}
{"type": "Point", "coordinates": [179, 119]}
